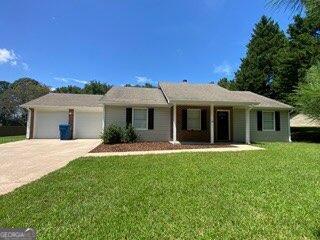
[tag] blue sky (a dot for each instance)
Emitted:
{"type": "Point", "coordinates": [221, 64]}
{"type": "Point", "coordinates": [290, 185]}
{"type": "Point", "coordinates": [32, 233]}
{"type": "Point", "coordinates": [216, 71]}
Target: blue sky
{"type": "Point", "coordinates": [127, 41]}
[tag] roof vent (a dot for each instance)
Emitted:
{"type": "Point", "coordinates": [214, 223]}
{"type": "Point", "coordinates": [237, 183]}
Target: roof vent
{"type": "Point", "coordinates": [184, 80]}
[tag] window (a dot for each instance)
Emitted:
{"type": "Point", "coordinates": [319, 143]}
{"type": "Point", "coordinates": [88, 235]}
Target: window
{"type": "Point", "coordinates": [194, 119]}
{"type": "Point", "coordinates": [268, 121]}
{"type": "Point", "coordinates": [140, 118]}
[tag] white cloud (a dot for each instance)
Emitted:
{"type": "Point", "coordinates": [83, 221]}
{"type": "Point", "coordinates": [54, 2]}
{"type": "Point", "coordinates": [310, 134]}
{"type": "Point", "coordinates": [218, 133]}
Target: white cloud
{"type": "Point", "coordinates": [225, 69]}
{"type": "Point", "coordinates": [8, 56]}
{"type": "Point", "coordinates": [142, 79]}
{"type": "Point", "coordinates": [25, 66]}
{"type": "Point", "coordinates": [68, 80]}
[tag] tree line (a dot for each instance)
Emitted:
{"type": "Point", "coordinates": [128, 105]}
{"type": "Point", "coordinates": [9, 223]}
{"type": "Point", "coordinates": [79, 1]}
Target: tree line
{"type": "Point", "coordinates": [275, 62]}
{"type": "Point", "coordinates": [282, 65]}
{"type": "Point", "coordinates": [23, 90]}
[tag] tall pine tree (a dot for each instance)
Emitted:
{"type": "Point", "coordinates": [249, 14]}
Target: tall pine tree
{"type": "Point", "coordinates": [299, 54]}
{"type": "Point", "coordinates": [257, 69]}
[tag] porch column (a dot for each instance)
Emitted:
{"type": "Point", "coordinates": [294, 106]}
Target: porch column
{"type": "Point", "coordinates": [289, 128]}
{"type": "Point", "coordinates": [174, 124]}
{"type": "Point", "coordinates": [103, 117]}
{"type": "Point", "coordinates": [211, 124]}
{"type": "Point", "coordinates": [247, 125]}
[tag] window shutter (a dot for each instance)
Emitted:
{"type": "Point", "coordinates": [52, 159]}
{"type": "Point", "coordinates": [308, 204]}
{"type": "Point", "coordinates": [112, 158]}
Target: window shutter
{"type": "Point", "coordinates": [150, 118]}
{"type": "Point", "coordinates": [184, 119]}
{"type": "Point", "coordinates": [277, 117]}
{"type": "Point", "coordinates": [129, 116]}
{"type": "Point", "coordinates": [259, 120]}
{"type": "Point", "coordinates": [203, 119]}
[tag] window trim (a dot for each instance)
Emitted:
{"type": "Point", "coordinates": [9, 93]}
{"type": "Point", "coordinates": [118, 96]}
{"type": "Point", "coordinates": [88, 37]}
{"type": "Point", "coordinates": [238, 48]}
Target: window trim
{"type": "Point", "coordinates": [147, 122]}
{"type": "Point", "coordinates": [274, 121]}
{"type": "Point", "coordinates": [194, 109]}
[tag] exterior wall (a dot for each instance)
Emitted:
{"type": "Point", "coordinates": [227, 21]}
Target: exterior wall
{"type": "Point", "coordinates": [192, 135]}
{"type": "Point", "coordinates": [239, 125]}
{"type": "Point", "coordinates": [260, 136]}
{"type": "Point", "coordinates": [161, 131]}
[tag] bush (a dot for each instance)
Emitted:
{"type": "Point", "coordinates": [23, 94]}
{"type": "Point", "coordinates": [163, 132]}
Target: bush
{"type": "Point", "coordinates": [112, 134]}
{"type": "Point", "coordinates": [130, 135]}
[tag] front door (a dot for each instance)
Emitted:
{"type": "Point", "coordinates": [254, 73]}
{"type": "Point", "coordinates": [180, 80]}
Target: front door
{"type": "Point", "coordinates": [223, 122]}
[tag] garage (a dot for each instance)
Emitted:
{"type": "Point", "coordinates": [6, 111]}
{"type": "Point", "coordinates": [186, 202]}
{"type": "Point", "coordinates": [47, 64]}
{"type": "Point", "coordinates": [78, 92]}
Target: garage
{"type": "Point", "coordinates": [88, 124]}
{"type": "Point", "coordinates": [47, 123]}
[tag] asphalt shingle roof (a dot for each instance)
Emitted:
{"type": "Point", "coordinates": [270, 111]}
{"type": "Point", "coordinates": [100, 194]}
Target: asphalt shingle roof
{"type": "Point", "coordinates": [134, 96]}
{"type": "Point", "coordinates": [201, 93]}
{"type": "Point", "coordinates": [126, 96]}
{"type": "Point", "coordinates": [65, 100]}
{"type": "Point", "coordinates": [264, 102]}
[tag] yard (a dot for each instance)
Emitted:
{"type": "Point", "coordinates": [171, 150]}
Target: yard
{"type": "Point", "coordinates": [269, 194]}
{"type": "Point", "coordinates": [7, 139]}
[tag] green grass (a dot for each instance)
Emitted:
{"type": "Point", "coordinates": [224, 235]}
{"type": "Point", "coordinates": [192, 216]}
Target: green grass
{"type": "Point", "coordinates": [12, 138]}
{"type": "Point", "coordinates": [271, 194]}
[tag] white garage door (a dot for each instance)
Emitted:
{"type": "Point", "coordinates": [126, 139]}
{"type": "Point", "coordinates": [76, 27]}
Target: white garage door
{"type": "Point", "coordinates": [88, 124]}
{"type": "Point", "coordinates": [47, 123]}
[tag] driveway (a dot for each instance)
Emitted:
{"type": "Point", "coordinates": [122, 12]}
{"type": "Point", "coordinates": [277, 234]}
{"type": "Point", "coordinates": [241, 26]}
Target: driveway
{"type": "Point", "coordinates": [25, 161]}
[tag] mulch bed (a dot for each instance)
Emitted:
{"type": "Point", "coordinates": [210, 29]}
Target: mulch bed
{"type": "Point", "coordinates": [151, 146]}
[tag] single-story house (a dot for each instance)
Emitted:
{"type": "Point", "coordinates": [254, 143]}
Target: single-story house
{"type": "Point", "coordinates": [303, 121]}
{"type": "Point", "coordinates": [176, 112]}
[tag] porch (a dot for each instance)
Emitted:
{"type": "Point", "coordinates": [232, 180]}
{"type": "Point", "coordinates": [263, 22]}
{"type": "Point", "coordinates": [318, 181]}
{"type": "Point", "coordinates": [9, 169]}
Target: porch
{"type": "Point", "coordinates": [209, 124]}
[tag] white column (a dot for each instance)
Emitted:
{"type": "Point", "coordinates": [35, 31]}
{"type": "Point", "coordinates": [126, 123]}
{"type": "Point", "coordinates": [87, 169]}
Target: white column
{"type": "Point", "coordinates": [289, 129]}
{"type": "Point", "coordinates": [103, 117]}
{"type": "Point", "coordinates": [174, 124]}
{"type": "Point", "coordinates": [211, 124]}
{"type": "Point", "coordinates": [28, 124]}
{"type": "Point", "coordinates": [247, 125]}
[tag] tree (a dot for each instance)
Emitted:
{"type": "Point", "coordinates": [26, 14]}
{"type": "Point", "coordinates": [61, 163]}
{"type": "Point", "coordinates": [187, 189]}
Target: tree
{"type": "Point", "coordinates": [257, 69]}
{"type": "Point", "coordinates": [228, 84]}
{"type": "Point", "coordinates": [19, 92]}
{"type": "Point", "coordinates": [299, 54]}
{"type": "Point", "coordinates": [312, 7]}
{"type": "Point", "coordinates": [4, 85]}
{"type": "Point", "coordinates": [69, 89]}
{"type": "Point", "coordinates": [96, 87]}
{"type": "Point", "coordinates": [308, 93]}
{"type": "Point", "coordinates": [146, 85]}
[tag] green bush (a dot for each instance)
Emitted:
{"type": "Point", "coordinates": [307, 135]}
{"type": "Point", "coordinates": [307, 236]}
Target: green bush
{"type": "Point", "coordinates": [130, 135]}
{"type": "Point", "coordinates": [112, 134]}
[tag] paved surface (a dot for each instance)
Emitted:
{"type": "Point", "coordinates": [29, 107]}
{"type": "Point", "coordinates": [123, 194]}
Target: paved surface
{"type": "Point", "coordinates": [233, 148]}
{"type": "Point", "coordinates": [25, 161]}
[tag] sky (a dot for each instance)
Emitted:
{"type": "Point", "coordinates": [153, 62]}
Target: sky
{"type": "Point", "coordinates": [71, 42]}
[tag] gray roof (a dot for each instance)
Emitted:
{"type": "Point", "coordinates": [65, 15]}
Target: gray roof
{"type": "Point", "coordinates": [264, 102]}
{"type": "Point", "coordinates": [65, 100]}
{"type": "Point", "coordinates": [302, 120]}
{"type": "Point", "coordinates": [202, 93]}
{"type": "Point", "coordinates": [134, 96]}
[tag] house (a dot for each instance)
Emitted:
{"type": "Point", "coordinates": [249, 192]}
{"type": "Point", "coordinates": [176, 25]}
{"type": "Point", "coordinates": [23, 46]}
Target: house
{"type": "Point", "coordinates": [176, 112]}
{"type": "Point", "coordinates": [303, 121]}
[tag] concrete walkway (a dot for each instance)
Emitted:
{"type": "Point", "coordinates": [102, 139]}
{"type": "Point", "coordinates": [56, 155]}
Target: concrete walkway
{"type": "Point", "coordinates": [232, 148]}
{"type": "Point", "coordinates": [25, 161]}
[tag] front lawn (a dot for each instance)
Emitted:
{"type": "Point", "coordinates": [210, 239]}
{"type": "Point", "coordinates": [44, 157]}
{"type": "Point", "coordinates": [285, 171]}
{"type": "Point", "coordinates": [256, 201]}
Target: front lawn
{"type": "Point", "coordinates": [11, 138]}
{"type": "Point", "coordinates": [271, 194]}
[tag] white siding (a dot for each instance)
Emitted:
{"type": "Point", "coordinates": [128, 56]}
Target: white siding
{"type": "Point", "coordinates": [161, 131]}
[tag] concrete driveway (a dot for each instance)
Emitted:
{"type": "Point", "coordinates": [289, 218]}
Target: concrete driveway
{"type": "Point", "coordinates": [25, 161]}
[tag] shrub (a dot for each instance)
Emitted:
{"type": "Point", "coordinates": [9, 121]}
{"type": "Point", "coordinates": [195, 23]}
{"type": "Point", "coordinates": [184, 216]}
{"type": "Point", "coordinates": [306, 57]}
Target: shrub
{"type": "Point", "coordinates": [129, 134]}
{"type": "Point", "coordinates": [112, 134]}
